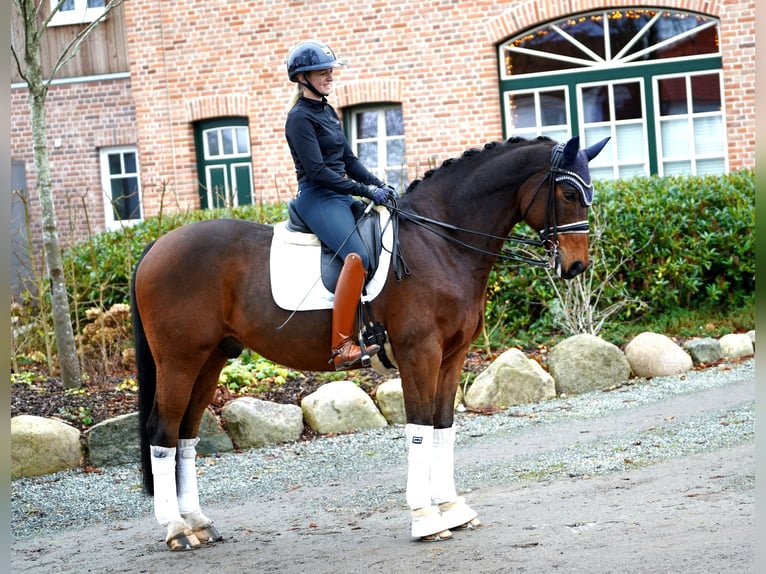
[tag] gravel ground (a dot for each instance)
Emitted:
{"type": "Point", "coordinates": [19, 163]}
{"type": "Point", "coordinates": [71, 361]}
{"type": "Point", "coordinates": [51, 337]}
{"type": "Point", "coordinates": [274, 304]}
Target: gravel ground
{"type": "Point", "coordinates": [77, 499]}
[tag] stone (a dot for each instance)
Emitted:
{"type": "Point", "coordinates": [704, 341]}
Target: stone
{"type": "Point", "coordinates": [114, 441]}
{"type": "Point", "coordinates": [212, 437]}
{"type": "Point", "coordinates": [341, 406]}
{"type": "Point", "coordinates": [703, 350]}
{"type": "Point", "coordinates": [390, 400]}
{"type": "Point", "coordinates": [655, 355]}
{"type": "Point", "coordinates": [252, 423]}
{"type": "Point", "coordinates": [43, 446]}
{"type": "Point", "coordinates": [735, 345]}
{"type": "Point", "coordinates": [511, 379]}
{"type": "Point", "coordinates": [585, 362]}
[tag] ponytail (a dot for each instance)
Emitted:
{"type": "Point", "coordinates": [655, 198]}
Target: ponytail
{"type": "Point", "coordinates": [296, 95]}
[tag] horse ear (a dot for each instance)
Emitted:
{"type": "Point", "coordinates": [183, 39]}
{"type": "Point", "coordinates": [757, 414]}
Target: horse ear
{"type": "Point", "coordinates": [594, 150]}
{"type": "Point", "coordinates": [570, 150]}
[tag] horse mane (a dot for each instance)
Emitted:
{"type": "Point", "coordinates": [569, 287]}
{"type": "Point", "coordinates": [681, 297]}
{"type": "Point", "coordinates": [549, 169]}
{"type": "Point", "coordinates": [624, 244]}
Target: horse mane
{"type": "Point", "coordinates": [472, 152]}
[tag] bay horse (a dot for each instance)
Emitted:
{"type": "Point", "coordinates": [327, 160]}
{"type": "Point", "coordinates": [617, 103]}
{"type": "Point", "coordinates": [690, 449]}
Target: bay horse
{"type": "Point", "coordinates": [201, 293]}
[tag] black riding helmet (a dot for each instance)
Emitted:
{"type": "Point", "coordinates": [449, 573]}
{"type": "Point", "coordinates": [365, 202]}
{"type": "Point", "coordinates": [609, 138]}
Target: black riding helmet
{"type": "Point", "coordinates": [308, 56]}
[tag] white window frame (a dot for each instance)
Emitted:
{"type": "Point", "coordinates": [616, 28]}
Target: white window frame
{"type": "Point", "coordinates": [609, 158]}
{"type": "Point", "coordinates": [106, 180]}
{"type": "Point", "coordinates": [80, 15]}
{"type": "Point", "coordinates": [382, 139]}
{"type": "Point", "coordinates": [693, 157]}
{"type": "Point", "coordinates": [554, 131]}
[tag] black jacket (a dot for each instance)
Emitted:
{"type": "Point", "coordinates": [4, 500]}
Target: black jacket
{"type": "Point", "coordinates": [320, 150]}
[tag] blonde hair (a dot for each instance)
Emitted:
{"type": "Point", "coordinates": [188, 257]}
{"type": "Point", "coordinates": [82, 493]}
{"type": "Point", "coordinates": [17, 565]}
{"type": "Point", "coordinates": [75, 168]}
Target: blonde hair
{"type": "Point", "coordinates": [296, 95]}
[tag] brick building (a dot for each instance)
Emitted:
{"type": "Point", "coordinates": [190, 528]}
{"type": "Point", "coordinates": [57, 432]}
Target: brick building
{"type": "Point", "coordinates": [181, 105]}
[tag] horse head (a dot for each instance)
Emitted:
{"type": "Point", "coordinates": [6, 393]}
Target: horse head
{"type": "Point", "coordinates": [558, 208]}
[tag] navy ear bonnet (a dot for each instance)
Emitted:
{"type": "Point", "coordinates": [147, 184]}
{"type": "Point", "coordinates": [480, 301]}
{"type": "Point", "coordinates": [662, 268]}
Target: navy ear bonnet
{"type": "Point", "coordinates": [569, 164]}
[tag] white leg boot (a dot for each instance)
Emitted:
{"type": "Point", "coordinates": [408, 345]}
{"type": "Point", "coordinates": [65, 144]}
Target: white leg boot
{"type": "Point", "coordinates": [188, 494]}
{"type": "Point", "coordinates": [455, 512]}
{"type": "Point", "coordinates": [179, 536]}
{"type": "Point", "coordinates": [426, 517]}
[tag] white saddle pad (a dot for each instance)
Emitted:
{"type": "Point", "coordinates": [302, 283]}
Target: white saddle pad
{"type": "Point", "coordinates": [296, 280]}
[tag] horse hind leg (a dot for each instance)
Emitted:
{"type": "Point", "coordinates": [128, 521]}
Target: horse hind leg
{"type": "Point", "coordinates": [187, 488]}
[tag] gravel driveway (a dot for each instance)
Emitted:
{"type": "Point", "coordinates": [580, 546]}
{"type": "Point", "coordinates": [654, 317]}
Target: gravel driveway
{"type": "Point", "coordinates": [656, 476]}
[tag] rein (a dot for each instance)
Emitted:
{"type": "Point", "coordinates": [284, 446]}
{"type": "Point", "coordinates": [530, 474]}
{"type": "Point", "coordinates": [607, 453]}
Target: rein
{"type": "Point", "coordinates": [548, 235]}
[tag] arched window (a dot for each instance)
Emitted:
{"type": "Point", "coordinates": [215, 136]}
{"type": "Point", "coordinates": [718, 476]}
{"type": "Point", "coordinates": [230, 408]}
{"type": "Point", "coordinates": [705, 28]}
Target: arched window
{"type": "Point", "coordinates": [224, 162]}
{"type": "Point", "coordinates": [649, 78]}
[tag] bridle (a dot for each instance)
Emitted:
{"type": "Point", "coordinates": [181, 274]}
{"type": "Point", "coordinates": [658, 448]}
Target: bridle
{"type": "Point", "coordinates": [548, 235]}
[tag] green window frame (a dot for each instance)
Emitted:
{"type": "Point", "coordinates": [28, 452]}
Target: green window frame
{"type": "Point", "coordinates": [610, 70]}
{"type": "Point", "coordinates": [224, 162]}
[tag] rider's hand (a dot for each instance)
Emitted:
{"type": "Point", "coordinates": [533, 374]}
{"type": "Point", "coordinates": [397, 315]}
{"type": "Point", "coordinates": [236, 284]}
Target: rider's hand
{"type": "Point", "coordinates": [378, 195]}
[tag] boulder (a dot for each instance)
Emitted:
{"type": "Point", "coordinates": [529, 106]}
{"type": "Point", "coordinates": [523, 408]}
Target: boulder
{"type": "Point", "coordinates": [655, 355]}
{"type": "Point", "coordinates": [251, 422]}
{"type": "Point", "coordinates": [511, 379]}
{"type": "Point", "coordinates": [584, 362]}
{"type": "Point", "coordinates": [390, 400]}
{"type": "Point", "coordinates": [341, 406]}
{"type": "Point", "coordinates": [703, 350]}
{"type": "Point", "coordinates": [114, 441]}
{"type": "Point", "coordinates": [736, 345]}
{"type": "Point", "coordinates": [212, 437]}
{"type": "Point", "coordinates": [43, 446]}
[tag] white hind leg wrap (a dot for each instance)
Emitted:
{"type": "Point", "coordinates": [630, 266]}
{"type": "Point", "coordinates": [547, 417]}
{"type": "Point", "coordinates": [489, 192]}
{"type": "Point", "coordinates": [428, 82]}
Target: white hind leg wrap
{"type": "Point", "coordinates": [164, 475]}
{"type": "Point", "coordinates": [443, 466]}
{"type": "Point", "coordinates": [420, 443]}
{"type": "Point", "coordinates": [186, 477]}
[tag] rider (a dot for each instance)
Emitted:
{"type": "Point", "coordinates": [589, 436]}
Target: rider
{"type": "Point", "coordinates": [329, 174]}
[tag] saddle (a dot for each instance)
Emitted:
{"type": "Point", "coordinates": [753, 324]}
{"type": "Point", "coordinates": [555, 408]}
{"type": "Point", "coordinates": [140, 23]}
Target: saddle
{"type": "Point", "coordinates": [368, 226]}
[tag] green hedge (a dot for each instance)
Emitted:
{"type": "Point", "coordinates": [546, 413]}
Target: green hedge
{"type": "Point", "coordinates": [690, 241]}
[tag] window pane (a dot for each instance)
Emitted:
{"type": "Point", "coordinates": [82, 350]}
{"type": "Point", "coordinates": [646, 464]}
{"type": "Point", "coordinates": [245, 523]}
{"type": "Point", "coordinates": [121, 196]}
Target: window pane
{"type": "Point", "coordinates": [672, 93]}
{"type": "Point", "coordinates": [227, 136]}
{"type": "Point", "coordinates": [367, 124]}
{"type": "Point", "coordinates": [706, 93]}
{"type": "Point", "coordinates": [675, 138]}
{"type": "Point", "coordinates": [397, 178]}
{"type": "Point", "coordinates": [130, 162]}
{"type": "Point", "coordinates": [595, 103]}
{"type": "Point", "coordinates": [627, 101]}
{"type": "Point", "coordinates": [67, 6]}
{"type": "Point", "coordinates": [125, 198]}
{"type": "Point", "coordinates": [212, 143]}
{"type": "Point", "coordinates": [630, 142]}
{"type": "Point", "coordinates": [709, 136]}
{"type": "Point", "coordinates": [710, 167]}
{"type": "Point", "coordinates": [553, 108]}
{"type": "Point", "coordinates": [115, 164]}
{"type": "Point", "coordinates": [395, 152]}
{"type": "Point", "coordinates": [523, 111]}
{"type": "Point", "coordinates": [394, 122]}
{"type": "Point", "coordinates": [368, 154]}
{"type": "Point", "coordinates": [631, 170]}
{"type": "Point", "coordinates": [243, 142]}
{"type": "Point", "coordinates": [678, 168]}
{"type": "Point", "coordinates": [95, 3]}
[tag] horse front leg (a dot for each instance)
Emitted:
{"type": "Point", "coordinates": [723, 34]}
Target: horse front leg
{"type": "Point", "coordinates": [455, 513]}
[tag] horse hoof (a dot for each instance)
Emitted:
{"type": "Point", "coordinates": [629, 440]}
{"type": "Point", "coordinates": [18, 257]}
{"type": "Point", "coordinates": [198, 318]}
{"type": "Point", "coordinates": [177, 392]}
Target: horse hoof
{"type": "Point", "coordinates": [470, 525]}
{"type": "Point", "coordinates": [443, 535]}
{"type": "Point", "coordinates": [207, 534]}
{"type": "Point", "coordinates": [183, 541]}
{"type": "Point", "coordinates": [457, 514]}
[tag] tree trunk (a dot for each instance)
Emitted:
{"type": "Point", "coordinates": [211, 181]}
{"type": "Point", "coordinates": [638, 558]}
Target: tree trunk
{"type": "Point", "coordinates": [62, 322]}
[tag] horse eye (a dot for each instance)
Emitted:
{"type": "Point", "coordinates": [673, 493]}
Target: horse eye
{"type": "Point", "coordinates": [570, 194]}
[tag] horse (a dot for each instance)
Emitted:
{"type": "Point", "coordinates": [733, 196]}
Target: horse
{"type": "Point", "coordinates": [201, 293]}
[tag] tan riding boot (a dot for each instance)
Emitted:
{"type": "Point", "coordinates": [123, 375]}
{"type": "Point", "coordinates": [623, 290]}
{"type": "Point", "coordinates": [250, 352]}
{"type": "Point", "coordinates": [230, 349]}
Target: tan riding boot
{"type": "Point", "coordinates": [345, 353]}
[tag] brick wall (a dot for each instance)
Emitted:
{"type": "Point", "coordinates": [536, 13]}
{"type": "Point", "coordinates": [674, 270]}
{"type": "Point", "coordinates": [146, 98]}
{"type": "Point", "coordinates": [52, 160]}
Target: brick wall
{"type": "Point", "coordinates": [82, 118]}
{"type": "Point", "coordinates": [435, 57]}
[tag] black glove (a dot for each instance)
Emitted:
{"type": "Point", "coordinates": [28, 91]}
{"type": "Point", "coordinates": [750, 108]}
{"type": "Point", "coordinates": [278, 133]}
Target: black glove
{"type": "Point", "coordinates": [378, 195]}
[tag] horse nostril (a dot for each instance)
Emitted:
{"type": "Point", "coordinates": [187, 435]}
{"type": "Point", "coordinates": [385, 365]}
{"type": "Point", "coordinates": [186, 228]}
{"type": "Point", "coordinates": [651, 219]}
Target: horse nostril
{"type": "Point", "coordinates": [575, 269]}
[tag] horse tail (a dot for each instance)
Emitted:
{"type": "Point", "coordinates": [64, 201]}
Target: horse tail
{"type": "Point", "coordinates": [147, 380]}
